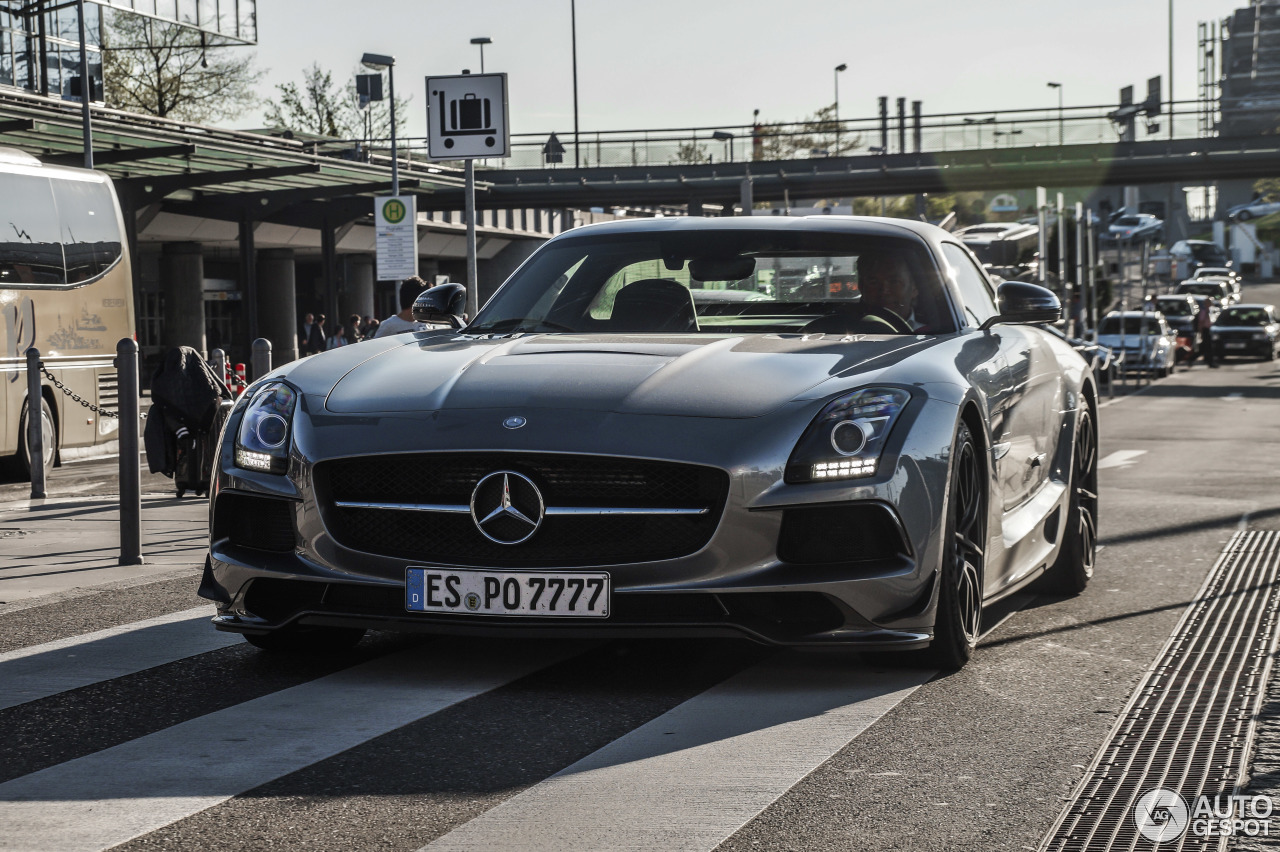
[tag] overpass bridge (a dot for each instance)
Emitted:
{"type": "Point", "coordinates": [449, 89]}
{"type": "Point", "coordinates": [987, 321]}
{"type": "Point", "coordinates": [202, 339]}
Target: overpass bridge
{"type": "Point", "coordinates": [1185, 161]}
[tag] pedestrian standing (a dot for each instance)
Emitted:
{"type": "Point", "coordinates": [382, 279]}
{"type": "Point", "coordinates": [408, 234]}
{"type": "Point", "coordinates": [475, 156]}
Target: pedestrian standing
{"type": "Point", "coordinates": [353, 329]}
{"type": "Point", "coordinates": [304, 338]}
{"type": "Point", "coordinates": [338, 338]}
{"type": "Point", "coordinates": [1204, 332]}
{"type": "Point", "coordinates": [316, 338]}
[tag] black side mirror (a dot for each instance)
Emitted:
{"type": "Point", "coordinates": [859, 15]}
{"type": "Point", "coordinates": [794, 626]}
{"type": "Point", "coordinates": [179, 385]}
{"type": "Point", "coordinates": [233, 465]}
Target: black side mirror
{"type": "Point", "coordinates": [1021, 302]}
{"type": "Point", "coordinates": [445, 303]}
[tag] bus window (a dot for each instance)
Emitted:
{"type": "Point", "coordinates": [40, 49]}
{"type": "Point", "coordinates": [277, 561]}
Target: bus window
{"type": "Point", "coordinates": [30, 245]}
{"type": "Point", "coordinates": [90, 236]}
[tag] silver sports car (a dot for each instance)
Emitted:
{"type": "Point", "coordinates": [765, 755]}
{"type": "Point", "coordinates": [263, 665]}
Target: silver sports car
{"type": "Point", "coordinates": [622, 443]}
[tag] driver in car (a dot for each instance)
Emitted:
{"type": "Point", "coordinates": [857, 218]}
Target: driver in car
{"type": "Point", "coordinates": [888, 294]}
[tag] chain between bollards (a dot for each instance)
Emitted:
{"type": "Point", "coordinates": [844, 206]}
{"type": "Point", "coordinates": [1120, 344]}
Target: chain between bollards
{"type": "Point", "coordinates": [35, 424]}
{"type": "Point", "coordinates": [130, 472]}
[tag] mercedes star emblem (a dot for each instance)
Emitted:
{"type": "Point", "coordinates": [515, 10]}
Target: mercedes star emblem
{"type": "Point", "coordinates": [507, 507]}
{"type": "Point", "coordinates": [514, 422]}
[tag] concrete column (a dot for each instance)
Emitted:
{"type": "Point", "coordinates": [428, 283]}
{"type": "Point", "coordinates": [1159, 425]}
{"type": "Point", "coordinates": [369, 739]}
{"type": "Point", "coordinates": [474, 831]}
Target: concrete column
{"type": "Point", "coordinates": [182, 282]}
{"type": "Point", "coordinates": [278, 304]}
{"type": "Point", "coordinates": [357, 298]}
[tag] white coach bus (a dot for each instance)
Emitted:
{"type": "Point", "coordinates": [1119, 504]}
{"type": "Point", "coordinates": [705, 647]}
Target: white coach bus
{"type": "Point", "coordinates": [66, 287]}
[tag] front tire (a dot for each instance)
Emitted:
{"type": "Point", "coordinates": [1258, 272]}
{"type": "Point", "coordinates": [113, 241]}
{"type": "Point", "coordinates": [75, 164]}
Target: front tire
{"type": "Point", "coordinates": [48, 436]}
{"type": "Point", "coordinates": [1244, 216]}
{"type": "Point", "coordinates": [1073, 569]}
{"type": "Point", "coordinates": [959, 617]}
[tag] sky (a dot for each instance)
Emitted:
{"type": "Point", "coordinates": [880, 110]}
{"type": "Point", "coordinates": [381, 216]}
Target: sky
{"type": "Point", "coordinates": [686, 63]}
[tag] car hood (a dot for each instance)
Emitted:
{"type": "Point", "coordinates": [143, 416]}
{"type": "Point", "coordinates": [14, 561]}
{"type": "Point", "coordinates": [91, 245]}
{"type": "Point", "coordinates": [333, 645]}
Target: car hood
{"type": "Point", "coordinates": [695, 375]}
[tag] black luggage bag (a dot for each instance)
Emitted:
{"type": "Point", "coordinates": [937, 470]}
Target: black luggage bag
{"type": "Point", "coordinates": [191, 406]}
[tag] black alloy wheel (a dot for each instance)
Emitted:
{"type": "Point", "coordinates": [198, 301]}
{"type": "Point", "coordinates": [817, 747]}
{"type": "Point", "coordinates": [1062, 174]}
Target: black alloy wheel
{"type": "Point", "coordinates": [959, 618]}
{"type": "Point", "coordinates": [1072, 571]}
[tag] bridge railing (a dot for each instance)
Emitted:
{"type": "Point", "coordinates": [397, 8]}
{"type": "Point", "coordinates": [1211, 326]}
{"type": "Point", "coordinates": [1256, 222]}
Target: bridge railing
{"type": "Point", "coordinates": [856, 136]}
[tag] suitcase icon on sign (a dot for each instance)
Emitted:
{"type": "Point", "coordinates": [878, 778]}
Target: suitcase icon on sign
{"type": "Point", "coordinates": [469, 115]}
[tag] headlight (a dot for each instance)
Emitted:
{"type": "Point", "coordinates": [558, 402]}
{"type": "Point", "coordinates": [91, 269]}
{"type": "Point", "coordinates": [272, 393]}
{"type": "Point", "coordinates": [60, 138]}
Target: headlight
{"type": "Point", "coordinates": [1259, 335]}
{"type": "Point", "coordinates": [263, 440]}
{"type": "Point", "coordinates": [847, 438]}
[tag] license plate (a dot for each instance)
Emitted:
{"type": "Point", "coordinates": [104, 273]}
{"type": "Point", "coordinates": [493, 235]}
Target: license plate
{"type": "Point", "coordinates": [1235, 345]}
{"type": "Point", "coordinates": [560, 594]}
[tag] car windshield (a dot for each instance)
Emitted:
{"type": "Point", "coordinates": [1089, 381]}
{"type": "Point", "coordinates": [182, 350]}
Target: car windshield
{"type": "Point", "coordinates": [1175, 307]}
{"type": "Point", "coordinates": [1128, 221]}
{"type": "Point", "coordinates": [718, 282]}
{"type": "Point", "coordinates": [1244, 316]}
{"type": "Point", "coordinates": [1209, 253]}
{"type": "Point", "coordinates": [1133, 326]}
{"type": "Point", "coordinates": [1206, 289]}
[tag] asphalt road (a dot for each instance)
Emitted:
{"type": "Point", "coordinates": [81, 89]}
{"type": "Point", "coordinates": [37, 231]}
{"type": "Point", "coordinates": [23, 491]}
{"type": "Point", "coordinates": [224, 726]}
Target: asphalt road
{"type": "Point", "coordinates": [164, 734]}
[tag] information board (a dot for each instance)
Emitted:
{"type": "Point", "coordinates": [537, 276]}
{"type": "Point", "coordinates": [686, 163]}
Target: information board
{"type": "Point", "coordinates": [395, 222]}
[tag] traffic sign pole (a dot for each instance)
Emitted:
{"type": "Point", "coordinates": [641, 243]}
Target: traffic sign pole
{"type": "Point", "coordinates": [473, 283]}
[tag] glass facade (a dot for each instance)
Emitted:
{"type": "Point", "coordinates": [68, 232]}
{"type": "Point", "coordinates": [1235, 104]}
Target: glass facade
{"type": "Point", "coordinates": [40, 42]}
{"type": "Point", "coordinates": [229, 21]}
{"type": "Point", "coordinates": [33, 37]}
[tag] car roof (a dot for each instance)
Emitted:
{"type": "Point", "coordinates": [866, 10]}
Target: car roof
{"type": "Point", "coordinates": [869, 225]}
{"type": "Point", "coordinates": [1242, 305]}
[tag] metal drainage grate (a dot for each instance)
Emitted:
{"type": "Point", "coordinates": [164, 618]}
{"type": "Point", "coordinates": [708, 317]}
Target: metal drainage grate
{"type": "Point", "coordinates": [1189, 726]}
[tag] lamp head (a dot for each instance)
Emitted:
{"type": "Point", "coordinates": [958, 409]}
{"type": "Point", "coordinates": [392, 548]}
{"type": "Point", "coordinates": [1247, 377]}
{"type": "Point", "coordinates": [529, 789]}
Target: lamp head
{"type": "Point", "coordinates": [842, 66]}
{"type": "Point", "coordinates": [482, 40]}
{"type": "Point", "coordinates": [376, 61]}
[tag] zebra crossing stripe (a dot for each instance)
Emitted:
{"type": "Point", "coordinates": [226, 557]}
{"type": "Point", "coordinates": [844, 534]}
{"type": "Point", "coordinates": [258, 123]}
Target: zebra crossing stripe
{"type": "Point", "coordinates": [40, 671]}
{"type": "Point", "coordinates": [692, 777]}
{"type": "Point", "coordinates": [98, 801]}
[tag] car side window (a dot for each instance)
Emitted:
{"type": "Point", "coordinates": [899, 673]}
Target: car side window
{"type": "Point", "coordinates": [975, 292]}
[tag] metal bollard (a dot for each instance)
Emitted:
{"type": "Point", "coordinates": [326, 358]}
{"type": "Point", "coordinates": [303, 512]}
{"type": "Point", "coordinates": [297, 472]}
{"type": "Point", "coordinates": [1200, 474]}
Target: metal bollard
{"type": "Point", "coordinates": [35, 424]}
{"type": "Point", "coordinates": [218, 363]}
{"type": "Point", "coordinates": [261, 358]}
{"type": "Point", "coordinates": [130, 475]}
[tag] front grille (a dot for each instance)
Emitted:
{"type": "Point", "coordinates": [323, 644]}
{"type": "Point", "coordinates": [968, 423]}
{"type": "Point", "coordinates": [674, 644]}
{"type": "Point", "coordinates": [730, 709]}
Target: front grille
{"type": "Point", "coordinates": [781, 616]}
{"type": "Point", "coordinates": [263, 523]}
{"type": "Point", "coordinates": [564, 481]}
{"type": "Point", "coordinates": [832, 535]}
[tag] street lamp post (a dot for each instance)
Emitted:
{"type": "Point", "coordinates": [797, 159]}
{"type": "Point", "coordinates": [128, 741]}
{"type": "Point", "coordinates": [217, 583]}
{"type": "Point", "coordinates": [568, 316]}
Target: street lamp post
{"type": "Point", "coordinates": [376, 62]}
{"type": "Point", "coordinates": [842, 66]}
{"type": "Point", "coordinates": [1058, 86]}
{"type": "Point", "coordinates": [724, 136]}
{"type": "Point", "coordinates": [980, 122]}
{"type": "Point", "coordinates": [482, 41]}
{"type": "Point", "coordinates": [573, 35]}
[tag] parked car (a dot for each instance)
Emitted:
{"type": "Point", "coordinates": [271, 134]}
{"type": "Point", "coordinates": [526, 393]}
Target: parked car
{"type": "Point", "coordinates": [1247, 330]}
{"type": "Point", "coordinates": [1220, 273]}
{"type": "Point", "coordinates": [1255, 209]}
{"type": "Point", "coordinates": [1135, 228]}
{"type": "Point", "coordinates": [596, 454]}
{"type": "Point", "coordinates": [1143, 339]}
{"type": "Point", "coordinates": [1099, 358]}
{"type": "Point", "coordinates": [1218, 289]}
{"type": "Point", "coordinates": [1193, 254]}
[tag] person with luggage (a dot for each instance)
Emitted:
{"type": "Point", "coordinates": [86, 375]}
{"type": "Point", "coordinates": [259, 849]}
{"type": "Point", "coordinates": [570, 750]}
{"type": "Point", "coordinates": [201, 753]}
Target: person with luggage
{"type": "Point", "coordinates": [189, 405]}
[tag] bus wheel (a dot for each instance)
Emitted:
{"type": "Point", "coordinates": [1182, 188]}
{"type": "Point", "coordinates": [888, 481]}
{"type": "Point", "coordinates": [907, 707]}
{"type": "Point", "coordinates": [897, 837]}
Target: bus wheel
{"type": "Point", "coordinates": [48, 437]}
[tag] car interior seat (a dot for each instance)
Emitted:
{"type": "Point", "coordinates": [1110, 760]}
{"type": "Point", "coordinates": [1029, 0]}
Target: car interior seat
{"type": "Point", "coordinates": [654, 304]}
